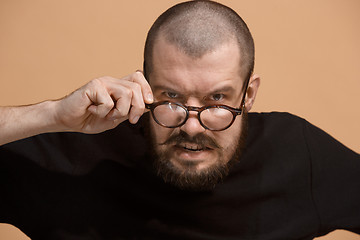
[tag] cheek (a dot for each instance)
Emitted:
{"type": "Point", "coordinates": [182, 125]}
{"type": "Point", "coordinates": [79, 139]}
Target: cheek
{"type": "Point", "coordinates": [228, 138]}
{"type": "Point", "coordinates": [160, 134]}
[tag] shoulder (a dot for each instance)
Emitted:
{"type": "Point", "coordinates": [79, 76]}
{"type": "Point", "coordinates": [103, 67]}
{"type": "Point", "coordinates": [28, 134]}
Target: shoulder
{"type": "Point", "coordinates": [277, 134]}
{"type": "Point", "coordinates": [275, 130]}
{"type": "Point", "coordinates": [280, 122]}
{"type": "Point", "coordinates": [274, 117]}
{"type": "Point", "coordinates": [285, 129]}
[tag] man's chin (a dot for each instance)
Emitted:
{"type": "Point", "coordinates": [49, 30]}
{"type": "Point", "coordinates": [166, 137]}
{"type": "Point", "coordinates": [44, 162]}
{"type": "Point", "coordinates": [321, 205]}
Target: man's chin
{"type": "Point", "coordinates": [194, 170]}
{"type": "Point", "coordinates": [191, 174]}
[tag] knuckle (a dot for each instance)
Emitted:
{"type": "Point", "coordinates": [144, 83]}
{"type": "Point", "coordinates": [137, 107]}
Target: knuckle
{"type": "Point", "coordinates": [95, 83]}
{"type": "Point", "coordinates": [97, 80]}
{"type": "Point", "coordinates": [104, 78]}
{"type": "Point", "coordinates": [101, 80]}
{"type": "Point", "coordinates": [138, 109]}
{"type": "Point", "coordinates": [109, 104]}
{"type": "Point", "coordinates": [122, 112]}
{"type": "Point", "coordinates": [137, 87]}
{"type": "Point", "coordinates": [122, 108]}
{"type": "Point", "coordinates": [127, 92]}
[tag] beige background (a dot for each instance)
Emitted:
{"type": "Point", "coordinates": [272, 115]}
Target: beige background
{"type": "Point", "coordinates": [307, 52]}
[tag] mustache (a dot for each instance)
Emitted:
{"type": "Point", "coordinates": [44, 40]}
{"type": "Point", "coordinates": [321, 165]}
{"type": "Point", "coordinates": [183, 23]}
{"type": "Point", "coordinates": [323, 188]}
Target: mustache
{"type": "Point", "coordinates": [199, 139]}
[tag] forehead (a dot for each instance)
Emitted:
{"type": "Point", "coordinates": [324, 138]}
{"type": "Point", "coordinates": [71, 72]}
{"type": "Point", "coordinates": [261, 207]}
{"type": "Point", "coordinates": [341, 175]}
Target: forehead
{"type": "Point", "coordinates": [174, 69]}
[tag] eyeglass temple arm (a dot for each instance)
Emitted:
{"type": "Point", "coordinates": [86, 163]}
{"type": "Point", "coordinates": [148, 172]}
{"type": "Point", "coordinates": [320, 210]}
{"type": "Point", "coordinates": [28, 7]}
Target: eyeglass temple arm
{"type": "Point", "coordinates": [244, 96]}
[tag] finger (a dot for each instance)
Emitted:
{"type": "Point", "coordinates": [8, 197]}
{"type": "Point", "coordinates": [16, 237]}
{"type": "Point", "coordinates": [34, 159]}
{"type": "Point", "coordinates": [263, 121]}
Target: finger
{"type": "Point", "coordinates": [137, 104]}
{"type": "Point", "coordinates": [146, 91]}
{"type": "Point", "coordinates": [136, 77]}
{"type": "Point", "coordinates": [102, 102]}
{"type": "Point", "coordinates": [122, 95]}
{"type": "Point", "coordinates": [130, 94]}
{"type": "Point", "coordinates": [115, 114]}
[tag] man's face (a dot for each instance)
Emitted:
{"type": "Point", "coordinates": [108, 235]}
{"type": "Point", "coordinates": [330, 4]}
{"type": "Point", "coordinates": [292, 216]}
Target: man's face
{"type": "Point", "coordinates": [190, 155]}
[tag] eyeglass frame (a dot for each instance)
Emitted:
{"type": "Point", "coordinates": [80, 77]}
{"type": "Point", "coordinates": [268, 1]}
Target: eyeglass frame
{"type": "Point", "coordinates": [235, 111]}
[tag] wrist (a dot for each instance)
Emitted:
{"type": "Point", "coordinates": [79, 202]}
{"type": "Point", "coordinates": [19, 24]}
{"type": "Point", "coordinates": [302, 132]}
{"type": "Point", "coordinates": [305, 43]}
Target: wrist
{"type": "Point", "coordinates": [26, 121]}
{"type": "Point", "coordinates": [53, 116]}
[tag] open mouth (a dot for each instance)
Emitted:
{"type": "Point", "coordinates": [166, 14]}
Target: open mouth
{"type": "Point", "coordinates": [186, 152]}
{"type": "Point", "coordinates": [192, 147]}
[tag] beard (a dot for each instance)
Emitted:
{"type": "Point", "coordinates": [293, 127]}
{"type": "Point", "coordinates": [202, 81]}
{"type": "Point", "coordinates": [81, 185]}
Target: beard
{"type": "Point", "coordinates": [188, 177]}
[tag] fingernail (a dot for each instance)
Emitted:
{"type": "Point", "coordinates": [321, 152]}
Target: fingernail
{"type": "Point", "coordinates": [150, 97]}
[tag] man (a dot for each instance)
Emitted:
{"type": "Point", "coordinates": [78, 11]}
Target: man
{"type": "Point", "coordinates": [196, 165]}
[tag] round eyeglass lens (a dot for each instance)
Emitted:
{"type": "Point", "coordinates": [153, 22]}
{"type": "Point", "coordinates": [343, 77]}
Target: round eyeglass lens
{"type": "Point", "coordinates": [169, 114]}
{"type": "Point", "coordinates": [216, 118]}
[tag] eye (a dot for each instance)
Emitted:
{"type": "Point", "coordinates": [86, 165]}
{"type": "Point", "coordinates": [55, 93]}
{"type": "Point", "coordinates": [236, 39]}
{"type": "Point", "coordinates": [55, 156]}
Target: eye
{"type": "Point", "coordinates": [217, 97]}
{"type": "Point", "coordinates": [171, 94]}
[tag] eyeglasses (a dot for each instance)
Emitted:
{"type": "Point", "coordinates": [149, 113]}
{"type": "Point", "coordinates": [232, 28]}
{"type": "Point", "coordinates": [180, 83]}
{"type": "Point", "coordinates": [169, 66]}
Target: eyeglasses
{"type": "Point", "coordinates": [213, 117]}
{"type": "Point", "coordinates": [173, 114]}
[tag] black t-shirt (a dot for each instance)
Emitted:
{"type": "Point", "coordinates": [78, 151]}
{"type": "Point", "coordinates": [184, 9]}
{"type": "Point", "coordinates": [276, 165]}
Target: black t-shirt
{"type": "Point", "coordinates": [292, 182]}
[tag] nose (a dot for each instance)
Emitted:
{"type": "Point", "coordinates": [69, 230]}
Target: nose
{"type": "Point", "coordinates": [192, 125]}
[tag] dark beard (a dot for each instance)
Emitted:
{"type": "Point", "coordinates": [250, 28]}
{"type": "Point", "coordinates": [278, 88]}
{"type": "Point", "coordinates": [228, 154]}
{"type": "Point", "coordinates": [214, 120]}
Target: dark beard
{"type": "Point", "coordinates": [188, 178]}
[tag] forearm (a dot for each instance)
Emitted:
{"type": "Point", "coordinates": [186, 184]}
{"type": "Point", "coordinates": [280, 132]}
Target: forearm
{"type": "Point", "coordinates": [100, 105]}
{"type": "Point", "coordinates": [26, 121]}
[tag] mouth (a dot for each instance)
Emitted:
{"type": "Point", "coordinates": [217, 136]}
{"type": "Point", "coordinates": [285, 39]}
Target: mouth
{"type": "Point", "coordinates": [187, 154]}
{"type": "Point", "coordinates": [192, 147]}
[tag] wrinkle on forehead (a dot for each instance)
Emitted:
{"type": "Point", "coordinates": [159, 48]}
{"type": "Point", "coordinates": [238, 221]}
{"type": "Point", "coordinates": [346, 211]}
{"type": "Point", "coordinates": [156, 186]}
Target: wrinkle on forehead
{"type": "Point", "coordinates": [195, 88]}
{"type": "Point", "coordinates": [195, 76]}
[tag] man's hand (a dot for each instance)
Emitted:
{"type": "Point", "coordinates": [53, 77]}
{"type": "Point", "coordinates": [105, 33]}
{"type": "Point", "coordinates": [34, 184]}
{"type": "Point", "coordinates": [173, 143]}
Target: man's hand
{"type": "Point", "coordinates": [104, 103]}
{"type": "Point", "coordinates": [100, 105]}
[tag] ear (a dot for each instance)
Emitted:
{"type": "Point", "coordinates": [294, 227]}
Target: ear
{"type": "Point", "coordinates": [254, 84]}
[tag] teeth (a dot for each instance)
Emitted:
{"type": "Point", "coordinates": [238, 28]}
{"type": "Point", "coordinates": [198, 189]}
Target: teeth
{"type": "Point", "coordinates": [192, 148]}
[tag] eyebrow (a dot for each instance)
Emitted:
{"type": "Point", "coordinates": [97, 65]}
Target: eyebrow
{"type": "Point", "coordinates": [162, 87]}
{"type": "Point", "coordinates": [223, 89]}
{"type": "Point", "coordinates": [212, 91]}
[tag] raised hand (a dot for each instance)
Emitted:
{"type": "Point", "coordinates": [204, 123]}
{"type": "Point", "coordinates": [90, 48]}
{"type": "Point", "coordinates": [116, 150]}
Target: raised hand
{"type": "Point", "coordinates": [104, 103]}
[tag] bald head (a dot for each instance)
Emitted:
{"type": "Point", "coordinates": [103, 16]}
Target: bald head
{"type": "Point", "coordinates": [199, 27]}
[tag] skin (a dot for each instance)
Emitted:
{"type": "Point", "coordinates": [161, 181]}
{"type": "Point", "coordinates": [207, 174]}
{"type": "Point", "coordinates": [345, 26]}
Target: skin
{"type": "Point", "coordinates": [100, 105]}
{"type": "Point", "coordinates": [215, 78]}
{"type": "Point", "coordinates": [105, 102]}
